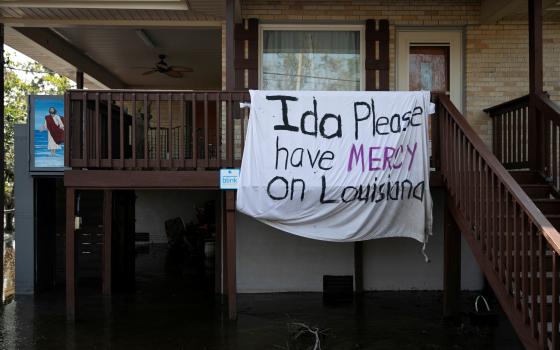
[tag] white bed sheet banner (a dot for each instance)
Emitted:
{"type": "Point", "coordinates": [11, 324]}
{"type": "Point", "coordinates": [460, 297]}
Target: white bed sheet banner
{"type": "Point", "coordinates": [338, 166]}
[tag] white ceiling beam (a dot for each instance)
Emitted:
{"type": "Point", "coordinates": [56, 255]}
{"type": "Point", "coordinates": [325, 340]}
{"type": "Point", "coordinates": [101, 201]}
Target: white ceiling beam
{"type": "Point", "coordinates": [177, 5]}
{"type": "Point", "coordinates": [69, 53]}
{"type": "Point", "coordinates": [146, 39]}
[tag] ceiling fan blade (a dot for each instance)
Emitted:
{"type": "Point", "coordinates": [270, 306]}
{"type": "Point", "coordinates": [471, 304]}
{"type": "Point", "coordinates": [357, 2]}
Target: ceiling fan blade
{"type": "Point", "coordinates": [182, 69]}
{"type": "Point", "coordinates": [174, 73]}
{"type": "Point", "coordinates": [149, 72]}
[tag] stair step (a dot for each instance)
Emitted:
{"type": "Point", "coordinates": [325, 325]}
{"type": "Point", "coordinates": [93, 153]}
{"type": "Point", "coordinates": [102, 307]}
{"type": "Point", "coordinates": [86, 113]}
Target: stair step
{"type": "Point", "coordinates": [546, 199]}
{"type": "Point", "coordinates": [548, 206]}
{"type": "Point", "coordinates": [554, 220]}
{"type": "Point", "coordinates": [538, 190]}
{"type": "Point", "coordinates": [527, 177]}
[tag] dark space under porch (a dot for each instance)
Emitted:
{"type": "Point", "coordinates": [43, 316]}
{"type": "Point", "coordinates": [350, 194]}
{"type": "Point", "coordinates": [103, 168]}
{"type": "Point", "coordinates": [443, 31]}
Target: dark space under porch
{"type": "Point", "coordinates": [172, 309]}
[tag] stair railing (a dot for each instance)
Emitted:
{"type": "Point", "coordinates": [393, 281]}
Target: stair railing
{"type": "Point", "coordinates": [510, 132]}
{"type": "Point", "coordinates": [545, 138]}
{"type": "Point", "coordinates": [514, 243]}
{"type": "Point", "coordinates": [526, 135]}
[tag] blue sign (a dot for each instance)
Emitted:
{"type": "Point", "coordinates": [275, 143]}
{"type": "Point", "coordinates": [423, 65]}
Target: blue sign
{"type": "Point", "coordinates": [229, 179]}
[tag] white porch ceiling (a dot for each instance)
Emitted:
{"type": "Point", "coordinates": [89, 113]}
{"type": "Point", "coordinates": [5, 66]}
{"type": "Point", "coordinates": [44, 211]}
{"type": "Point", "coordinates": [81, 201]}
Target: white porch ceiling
{"type": "Point", "coordinates": [19, 42]}
{"type": "Point", "coordinates": [123, 52]}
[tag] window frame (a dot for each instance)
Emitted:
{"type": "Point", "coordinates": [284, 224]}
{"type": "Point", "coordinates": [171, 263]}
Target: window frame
{"type": "Point", "coordinates": [315, 27]}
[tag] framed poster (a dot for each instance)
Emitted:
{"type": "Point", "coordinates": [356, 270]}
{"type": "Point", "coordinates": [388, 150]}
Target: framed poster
{"type": "Point", "coordinates": [46, 126]}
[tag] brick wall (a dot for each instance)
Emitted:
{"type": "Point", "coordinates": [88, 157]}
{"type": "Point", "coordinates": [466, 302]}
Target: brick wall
{"type": "Point", "coordinates": [496, 55]}
{"type": "Point", "coordinates": [498, 66]}
{"type": "Point", "coordinates": [551, 58]}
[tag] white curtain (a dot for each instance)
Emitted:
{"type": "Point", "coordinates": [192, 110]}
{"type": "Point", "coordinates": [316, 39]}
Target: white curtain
{"type": "Point", "coordinates": [311, 60]}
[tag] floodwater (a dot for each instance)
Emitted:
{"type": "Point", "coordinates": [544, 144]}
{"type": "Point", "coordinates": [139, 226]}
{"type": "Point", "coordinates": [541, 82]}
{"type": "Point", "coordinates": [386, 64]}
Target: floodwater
{"type": "Point", "coordinates": [179, 311]}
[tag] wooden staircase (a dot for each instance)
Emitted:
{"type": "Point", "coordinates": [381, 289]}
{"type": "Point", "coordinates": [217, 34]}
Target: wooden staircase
{"type": "Point", "coordinates": [506, 204]}
{"type": "Point", "coordinates": [547, 200]}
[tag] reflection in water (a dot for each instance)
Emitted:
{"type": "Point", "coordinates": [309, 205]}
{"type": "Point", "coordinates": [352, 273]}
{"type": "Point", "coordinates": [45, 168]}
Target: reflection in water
{"type": "Point", "coordinates": [180, 311]}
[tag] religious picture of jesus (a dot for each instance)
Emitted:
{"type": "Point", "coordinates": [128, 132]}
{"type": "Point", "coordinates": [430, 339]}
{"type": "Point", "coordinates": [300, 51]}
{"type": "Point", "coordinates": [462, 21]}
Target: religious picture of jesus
{"type": "Point", "coordinates": [54, 125]}
{"type": "Point", "coordinates": [48, 124]}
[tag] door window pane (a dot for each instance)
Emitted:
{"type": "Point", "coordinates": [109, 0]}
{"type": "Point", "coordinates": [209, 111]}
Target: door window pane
{"type": "Point", "coordinates": [429, 68]}
{"type": "Point", "coordinates": [429, 71]}
{"type": "Point", "coordinates": [311, 60]}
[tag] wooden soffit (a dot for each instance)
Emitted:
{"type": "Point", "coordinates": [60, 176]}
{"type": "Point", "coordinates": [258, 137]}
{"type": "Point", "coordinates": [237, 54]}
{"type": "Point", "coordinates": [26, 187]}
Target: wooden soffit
{"type": "Point", "coordinates": [142, 13]}
{"type": "Point", "coordinates": [101, 4]}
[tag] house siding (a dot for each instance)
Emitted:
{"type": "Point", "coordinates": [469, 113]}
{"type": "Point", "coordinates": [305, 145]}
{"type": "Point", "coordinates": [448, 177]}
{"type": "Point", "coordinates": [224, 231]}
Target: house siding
{"type": "Point", "coordinates": [269, 260]}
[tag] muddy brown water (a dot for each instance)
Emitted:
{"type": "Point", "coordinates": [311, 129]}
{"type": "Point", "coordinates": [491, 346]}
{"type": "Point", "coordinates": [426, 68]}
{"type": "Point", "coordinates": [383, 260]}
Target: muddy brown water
{"type": "Point", "coordinates": [177, 310]}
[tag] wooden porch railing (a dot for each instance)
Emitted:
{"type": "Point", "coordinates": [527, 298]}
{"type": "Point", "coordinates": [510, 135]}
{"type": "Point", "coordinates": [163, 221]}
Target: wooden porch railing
{"type": "Point", "coordinates": [546, 133]}
{"type": "Point", "coordinates": [154, 130]}
{"type": "Point", "coordinates": [515, 244]}
{"type": "Point", "coordinates": [526, 135]}
{"type": "Point", "coordinates": [511, 132]}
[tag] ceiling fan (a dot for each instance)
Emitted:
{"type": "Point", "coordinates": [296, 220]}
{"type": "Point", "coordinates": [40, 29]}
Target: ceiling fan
{"type": "Point", "coordinates": [164, 68]}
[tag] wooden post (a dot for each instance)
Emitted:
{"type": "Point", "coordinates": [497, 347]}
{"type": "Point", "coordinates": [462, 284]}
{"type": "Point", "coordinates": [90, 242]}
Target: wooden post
{"type": "Point", "coordinates": [535, 82]}
{"type": "Point", "coordinates": [2, 159]}
{"type": "Point", "coordinates": [230, 255]}
{"type": "Point", "coordinates": [535, 47]}
{"type": "Point", "coordinates": [107, 237]}
{"type": "Point", "coordinates": [358, 267]}
{"type": "Point", "coordinates": [223, 214]}
{"type": "Point", "coordinates": [70, 255]}
{"type": "Point", "coordinates": [79, 80]}
{"type": "Point", "coordinates": [230, 44]}
{"type": "Point", "coordinates": [452, 266]}
{"type": "Point", "coordinates": [218, 251]}
{"type": "Point", "coordinates": [246, 52]}
{"type": "Point", "coordinates": [230, 268]}
{"type": "Point", "coordinates": [377, 63]}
